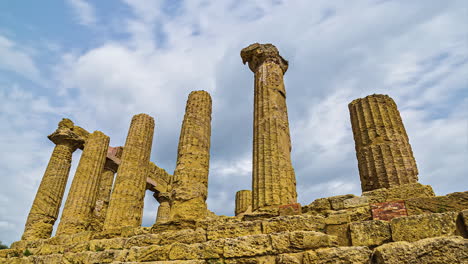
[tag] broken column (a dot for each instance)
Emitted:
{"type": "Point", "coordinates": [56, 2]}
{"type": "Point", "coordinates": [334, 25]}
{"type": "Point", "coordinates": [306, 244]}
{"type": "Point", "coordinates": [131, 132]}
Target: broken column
{"type": "Point", "coordinates": [190, 181]}
{"type": "Point", "coordinates": [46, 205]}
{"type": "Point", "coordinates": [78, 211]}
{"type": "Point", "coordinates": [385, 157]}
{"type": "Point", "coordinates": [274, 181]}
{"type": "Point", "coordinates": [243, 202]}
{"type": "Point", "coordinates": [126, 204]}
{"type": "Point", "coordinates": [164, 207]}
{"type": "Point", "coordinates": [105, 187]}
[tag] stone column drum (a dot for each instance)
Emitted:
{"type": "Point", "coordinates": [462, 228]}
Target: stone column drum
{"type": "Point", "coordinates": [243, 201]}
{"type": "Point", "coordinates": [385, 158]}
{"type": "Point", "coordinates": [274, 181]}
{"type": "Point", "coordinates": [126, 204]}
{"type": "Point", "coordinates": [46, 205]}
{"type": "Point", "coordinates": [78, 211]}
{"type": "Point", "coordinates": [190, 182]}
{"type": "Point", "coordinates": [164, 207]}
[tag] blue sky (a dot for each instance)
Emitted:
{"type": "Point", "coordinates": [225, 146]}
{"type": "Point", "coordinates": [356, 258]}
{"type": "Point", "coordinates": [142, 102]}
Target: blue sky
{"type": "Point", "coordinates": [101, 62]}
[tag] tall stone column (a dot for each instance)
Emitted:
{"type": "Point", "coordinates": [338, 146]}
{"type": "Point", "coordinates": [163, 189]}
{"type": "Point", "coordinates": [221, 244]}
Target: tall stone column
{"type": "Point", "coordinates": [46, 205]}
{"type": "Point", "coordinates": [190, 181]}
{"type": "Point", "coordinates": [274, 181]}
{"type": "Point", "coordinates": [243, 201]}
{"type": "Point", "coordinates": [105, 187]}
{"type": "Point", "coordinates": [164, 208]}
{"type": "Point", "coordinates": [78, 211]}
{"type": "Point", "coordinates": [385, 157]}
{"type": "Point", "coordinates": [126, 204]}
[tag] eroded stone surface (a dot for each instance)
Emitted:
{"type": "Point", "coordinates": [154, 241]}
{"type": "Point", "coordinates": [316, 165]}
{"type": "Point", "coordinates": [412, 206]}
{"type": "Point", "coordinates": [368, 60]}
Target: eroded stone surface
{"type": "Point", "coordinates": [190, 181]}
{"type": "Point", "coordinates": [274, 180]}
{"type": "Point", "coordinates": [385, 157]}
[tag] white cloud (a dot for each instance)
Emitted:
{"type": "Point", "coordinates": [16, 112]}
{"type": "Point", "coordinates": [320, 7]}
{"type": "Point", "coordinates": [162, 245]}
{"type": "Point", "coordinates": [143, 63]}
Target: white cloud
{"type": "Point", "coordinates": [15, 58]}
{"type": "Point", "coordinates": [85, 12]}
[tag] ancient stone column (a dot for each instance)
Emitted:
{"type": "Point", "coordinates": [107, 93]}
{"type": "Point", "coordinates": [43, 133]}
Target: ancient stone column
{"type": "Point", "coordinates": [385, 157]}
{"type": "Point", "coordinates": [164, 207]}
{"type": "Point", "coordinates": [243, 201]}
{"type": "Point", "coordinates": [46, 205]}
{"type": "Point", "coordinates": [105, 187]}
{"type": "Point", "coordinates": [274, 181]}
{"type": "Point", "coordinates": [126, 204]}
{"type": "Point", "coordinates": [78, 211]}
{"type": "Point", "coordinates": [190, 182]}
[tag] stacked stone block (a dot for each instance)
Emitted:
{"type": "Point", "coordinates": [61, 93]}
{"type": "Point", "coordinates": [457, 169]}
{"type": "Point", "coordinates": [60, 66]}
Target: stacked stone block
{"type": "Point", "coordinates": [46, 205]}
{"type": "Point", "coordinates": [78, 211]}
{"type": "Point", "coordinates": [274, 180]}
{"type": "Point", "coordinates": [126, 204]}
{"type": "Point", "coordinates": [190, 181]}
{"type": "Point", "coordinates": [385, 157]}
{"type": "Point", "coordinates": [243, 202]}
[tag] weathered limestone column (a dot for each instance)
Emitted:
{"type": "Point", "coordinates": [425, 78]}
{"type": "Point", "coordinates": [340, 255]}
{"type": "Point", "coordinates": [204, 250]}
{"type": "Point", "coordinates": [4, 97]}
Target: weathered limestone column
{"type": "Point", "coordinates": [105, 187]}
{"type": "Point", "coordinates": [243, 201]}
{"type": "Point", "coordinates": [78, 211]}
{"type": "Point", "coordinates": [126, 204]}
{"type": "Point", "coordinates": [46, 205]}
{"type": "Point", "coordinates": [385, 157]}
{"type": "Point", "coordinates": [190, 181]}
{"type": "Point", "coordinates": [274, 181]}
{"type": "Point", "coordinates": [164, 207]}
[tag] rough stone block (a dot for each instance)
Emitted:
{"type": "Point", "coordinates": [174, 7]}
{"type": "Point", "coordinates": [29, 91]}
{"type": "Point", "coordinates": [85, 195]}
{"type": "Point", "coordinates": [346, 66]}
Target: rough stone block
{"type": "Point", "coordinates": [289, 259]}
{"type": "Point", "coordinates": [339, 255]}
{"type": "Point", "coordinates": [453, 202]}
{"type": "Point", "coordinates": [311, 240]}
{"type": "Point", "coordinates": [290, 209]}
{"type": "Point", "coordinates": [337, 202]}
{"type": "Point", "coordinates": [280, 242]}
{"type": "Point", "coordinates": [341, 232]}
{"type": "Point", "coordinates": [439, 250]}
{"type": "Point", "coordinates": [388, 210]}
{"type": "Point", "coordinates": [293, 223]}
{"type": "Point", "coordinates": [356, 202]}
{"type": "Point", "coordinates": [142, 240]}
{"type": "Point", "coordinates": [370, 233]}
{"type": "Point", "coordinates": [149, 253]}
{"type": "Point", "coordinates": [101, 244]}
{"type": "Point", "coordinates": [416, 227]}
{"type": "Point", "coordinates": [247, 246]}
{"type": "Point", "coordinates": [186, 236]}
{"type": "Point", "coordinates": [234, 230]}
{"type": "Point", "coordinates": [402, 192]}
{"type": "Point", "coordinates": [253, 260]}
{"type": "Point", "coordinates": [319, 206]}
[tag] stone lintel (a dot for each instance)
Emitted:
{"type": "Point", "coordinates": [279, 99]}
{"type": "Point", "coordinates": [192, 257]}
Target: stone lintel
{"type": "Point", "coordinates": [69, 134]}
{"type": "Point", "coordinates": [113, 158]}
{"type": "Point", "coordinates": [256, 54]}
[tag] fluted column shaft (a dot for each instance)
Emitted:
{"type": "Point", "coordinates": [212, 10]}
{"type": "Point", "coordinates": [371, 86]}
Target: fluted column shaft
{"type": "Point", "coordinates": [103, 195]}
{"type": "Point", "coordinates": [190, 182]}
{"type": "Point", "coordinates": [385, 157]}
{"type": "Point", "coordinates": [46, 205]}
{"type": "Point", "coordinates": [274, 181]}
{"type": "Point", "coordinates": [78, 211]}
{"type": "Point", "coordinates": [126, 204]}
{"type": "Point", "coordinates": [164, 208]}
{"type": "Point", "coordinates": [243, 201]}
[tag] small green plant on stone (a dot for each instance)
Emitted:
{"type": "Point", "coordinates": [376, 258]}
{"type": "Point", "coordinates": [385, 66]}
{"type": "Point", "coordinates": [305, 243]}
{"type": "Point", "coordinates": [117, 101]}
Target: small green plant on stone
{"type": "Point", "coordinates": [27, 253]}
{"type": "Point", "coordinates": [2, 246]}
{"type": "Point", "coordinates": [98, 248]}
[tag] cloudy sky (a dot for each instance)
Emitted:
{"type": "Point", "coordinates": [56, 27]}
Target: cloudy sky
{"type": "Point", "coordinates": [100, 62]}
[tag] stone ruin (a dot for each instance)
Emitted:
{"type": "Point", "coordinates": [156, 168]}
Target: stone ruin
{"type": "Point", "coordinates": [395, 220]}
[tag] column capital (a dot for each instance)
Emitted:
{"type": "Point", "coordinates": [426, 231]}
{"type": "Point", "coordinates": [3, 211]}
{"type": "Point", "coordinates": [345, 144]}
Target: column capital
{"type": "Point", "coordinates": [256, 54]}
{"type": "Point", "coordinates": [162, 197]}
{"type": "Point", "coordinates": [63, 136]}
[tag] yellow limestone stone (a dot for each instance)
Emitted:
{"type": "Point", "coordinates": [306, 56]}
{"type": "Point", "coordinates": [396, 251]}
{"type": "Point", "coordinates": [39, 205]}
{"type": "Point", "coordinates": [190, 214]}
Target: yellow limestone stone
{"type": "Point", "coordinates": [78, 211]}
{"type": "Point", "coordinates": [190, 181]}
{"type": "Point", "coordinates": [243, 202]}
{"type": "Point", "coordinates": [46, 205]}
{"type": "Point", "coordinates": [126, 204]}
{"type": "Point", "coordinates": [105, 187]}
{"type": "Point", "coordinates": [274, 181]}
{"type": "Point", "coordinates": [164, 208]}
{"type": "Point", "coordinates": [385, 157]}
